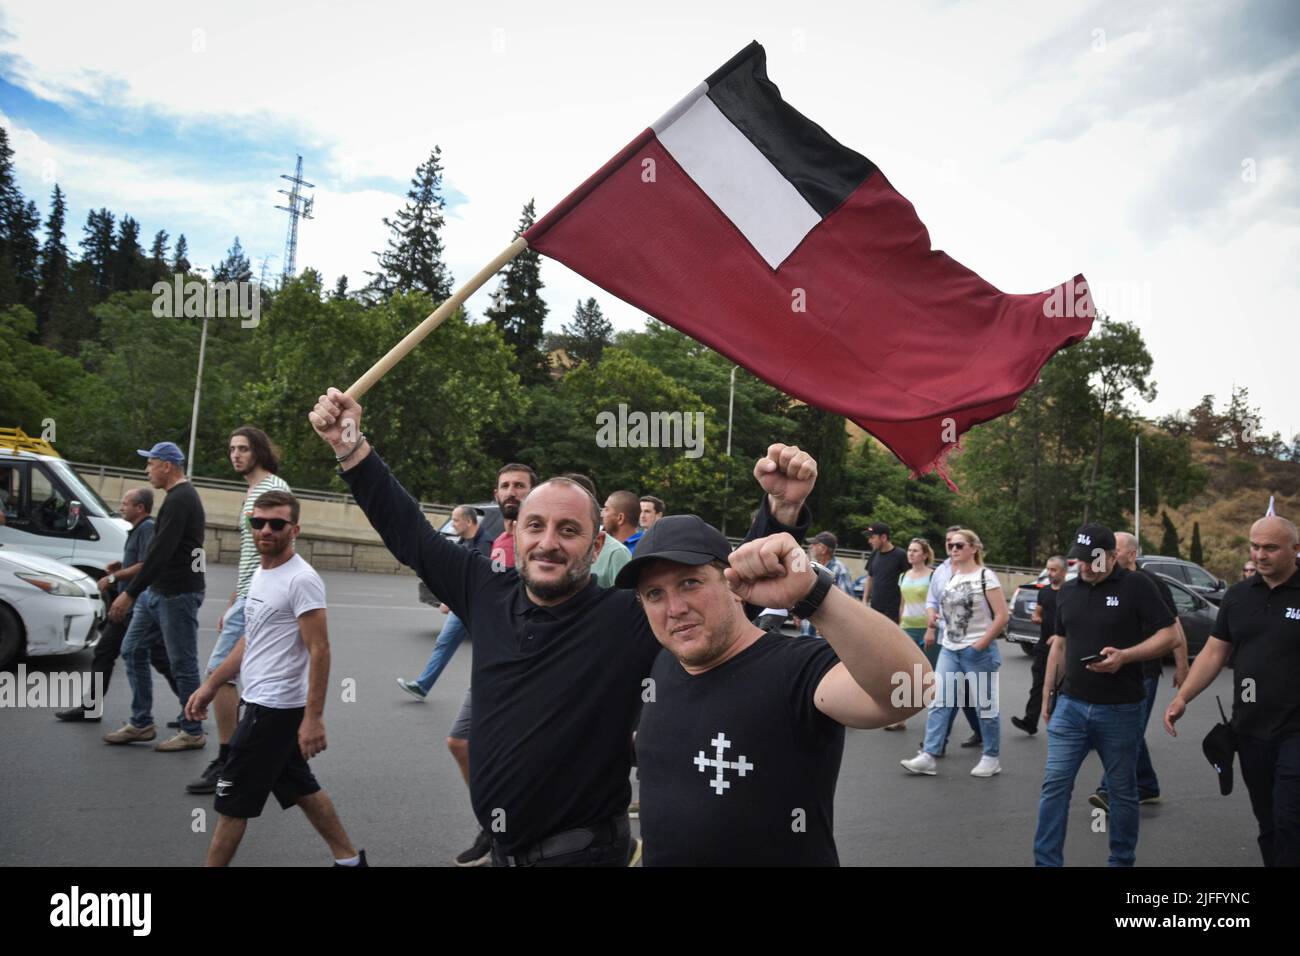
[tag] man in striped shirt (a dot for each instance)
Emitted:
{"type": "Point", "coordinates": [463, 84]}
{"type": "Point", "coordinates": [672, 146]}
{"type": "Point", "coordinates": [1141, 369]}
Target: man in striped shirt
{"type": "Point", "coordinates": [253, 457]}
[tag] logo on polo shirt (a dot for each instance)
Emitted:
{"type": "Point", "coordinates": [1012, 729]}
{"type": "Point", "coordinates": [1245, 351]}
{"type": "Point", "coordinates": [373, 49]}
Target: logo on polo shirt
{"type": "Point", "coordinates": [1112, 600]}
{"type": "Point", "coordinates": [720, 743]}
{"type": "Point", "coordinates": [1293, 613]}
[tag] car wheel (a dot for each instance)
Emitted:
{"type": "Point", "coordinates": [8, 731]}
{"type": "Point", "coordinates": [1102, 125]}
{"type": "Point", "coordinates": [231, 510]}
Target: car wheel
{"type": "Point", "coordinates": [11, 637]}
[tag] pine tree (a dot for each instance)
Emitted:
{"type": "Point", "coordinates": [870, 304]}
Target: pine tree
{"type": "Point", "coordinates": [97, 249]}
{"type": "Point", "coordinates": [129, 268]}
{"type": "Point", "coordinates": [25, 251]}
{"type": "Point", "coordinates": [53, 296]}
{"type": "Point", "coordinates": [1196, 555]}
{"type": "Point", "coordinates": [341, 288]}
{"type": "Point", "coordinates": [10, 201]}
{"type": "Point", "coordinates": [1169, 542]}
{"type": "Point", "coordinates": [413, 260]}
{"type": "Point", "coordinates": [235, 267]}
{"type": "Point", "coordinates": [181, 262]}
{"type": "Point", "coordinates": [158, 270]}
{"type": "Point", "coordinates": [587, 335]}
{"type": "Point", "coordinates": [518, 309]}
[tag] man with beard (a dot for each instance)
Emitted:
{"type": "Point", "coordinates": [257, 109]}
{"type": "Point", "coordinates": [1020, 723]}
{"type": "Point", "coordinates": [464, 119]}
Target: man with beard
{"type": "Point", "coordinates": [284, 658]}
{"type": "Point", "coordinates": [559, 663]}
{"type": "Point", "coordinates": [253, 458]}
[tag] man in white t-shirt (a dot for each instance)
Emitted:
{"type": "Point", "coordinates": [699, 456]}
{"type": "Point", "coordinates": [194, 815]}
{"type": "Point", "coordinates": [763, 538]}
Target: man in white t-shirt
{"type": "Point", "coordinates": [284, 659]}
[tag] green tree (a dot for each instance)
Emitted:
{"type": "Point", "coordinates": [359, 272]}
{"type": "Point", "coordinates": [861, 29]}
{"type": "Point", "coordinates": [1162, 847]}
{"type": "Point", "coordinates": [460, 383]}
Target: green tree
{"type": "Point", "coordinates": [235, 267]}
{"type": "Point", "coordinates": [35, 382]}
{"type": "Point", "coordinates": [130, 271]}
{"type": "Point", "coordinates": [1169, 546]}
{"type": "Point", "coordinates": [412, 262]}
{"type": "Point", "coordinates": [180, 258]}
{"type": "Point", "coordinates": [519, 310]}
{"type": "Point", "coordinates": [586, 337]}
{"type": "Point", "coordinates": [98, 245]}
{"type": "Point", "coordinates": [158, 270]}
{"type": "Point", "coordinates": [52, 302]}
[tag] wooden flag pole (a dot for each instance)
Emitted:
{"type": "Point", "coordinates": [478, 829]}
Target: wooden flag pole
{"type": "Point", "coordinates": [435, 319]}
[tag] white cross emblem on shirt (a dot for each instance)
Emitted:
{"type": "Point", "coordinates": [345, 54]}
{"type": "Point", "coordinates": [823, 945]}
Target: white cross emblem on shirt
{"type": "Point", "coordinates": [721, 743]}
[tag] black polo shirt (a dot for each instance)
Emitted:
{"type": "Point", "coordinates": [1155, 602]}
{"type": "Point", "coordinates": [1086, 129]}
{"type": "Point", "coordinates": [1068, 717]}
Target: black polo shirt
{"type": "Point", "coordinates": [1121, 611]}
{"type": "Point", "coordinates": [556, 689]}
{"type": "Point", "coordinates": [1263, 626]}
{"type": "Point", "coordinates": [1154, 667]}
{"type": "Point", "coordinates": [1047, 614]}
{"type": "Point", "coordinates": [738, 766]}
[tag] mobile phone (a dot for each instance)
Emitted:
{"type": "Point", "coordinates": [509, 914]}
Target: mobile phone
{"type": "Point", "coordinates": [1092, 659]}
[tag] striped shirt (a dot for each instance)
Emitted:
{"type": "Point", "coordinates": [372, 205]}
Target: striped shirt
{"type": "Point", "coordinates": [249, 559]}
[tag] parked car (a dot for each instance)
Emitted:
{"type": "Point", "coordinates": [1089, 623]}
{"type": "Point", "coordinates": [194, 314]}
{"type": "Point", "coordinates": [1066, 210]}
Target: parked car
{"type": "Point", "coordinates": [45, 607]}
{"type": "Point", "coordinates": [1195, 612]}
{"type": "Point", "coordinates": [491, 523]}
{"type": "Point", "coordinates": [1190, 575]}
{"type": "Point", "coordinates": [50, 510]}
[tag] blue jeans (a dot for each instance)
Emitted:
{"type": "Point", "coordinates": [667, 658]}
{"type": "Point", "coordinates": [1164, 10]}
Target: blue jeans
{"type": "Point", "coordinates": [1076, 728]}
{"type": "Point", "coordinates": [965, 677]}
{"type": "Point", "coordinates": [1146, 773]}
{"type": "Point", "coordinates": [449, 638]}
{"type": "Point", "coordinates": [175, 620]}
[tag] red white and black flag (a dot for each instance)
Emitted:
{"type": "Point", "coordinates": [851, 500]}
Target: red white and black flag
{"type": "Point", "coordinates": [745, 225]}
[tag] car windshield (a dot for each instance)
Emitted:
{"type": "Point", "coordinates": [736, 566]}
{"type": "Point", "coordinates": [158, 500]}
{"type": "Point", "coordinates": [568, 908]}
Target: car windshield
{"type": "Point", "coordinates": [80, 490]}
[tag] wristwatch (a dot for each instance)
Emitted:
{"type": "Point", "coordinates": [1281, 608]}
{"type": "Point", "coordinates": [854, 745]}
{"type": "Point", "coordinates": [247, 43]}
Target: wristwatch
{"type": "Point", "coordinates": [808, 606]}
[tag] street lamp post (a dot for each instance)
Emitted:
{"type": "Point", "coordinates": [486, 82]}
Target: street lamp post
{"type": "Point", "coordinates": [198, 389]}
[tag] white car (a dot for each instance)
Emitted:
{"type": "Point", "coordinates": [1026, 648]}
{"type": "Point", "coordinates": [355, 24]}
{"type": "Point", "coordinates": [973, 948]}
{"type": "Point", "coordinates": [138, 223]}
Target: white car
{"type": "Point", "coordinates": [45, 607]}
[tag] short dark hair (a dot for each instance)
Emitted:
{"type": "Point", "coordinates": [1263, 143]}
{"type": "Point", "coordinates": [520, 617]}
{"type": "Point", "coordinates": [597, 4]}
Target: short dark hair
{"type": "Point", "coordinates": [515, 466]}
{"type": "Point", "coordinates": [626, 504]}
{"type": "Point", "coordinates": [143, 497]}
{"type": "Point", "coordinates": [263, 451]}
{"type": "Point", "coordinates": [582, 480]}
{"type": "Point", "coordinates": [276, 498]}
{"type": "Point", "coordinates": [657, 502]}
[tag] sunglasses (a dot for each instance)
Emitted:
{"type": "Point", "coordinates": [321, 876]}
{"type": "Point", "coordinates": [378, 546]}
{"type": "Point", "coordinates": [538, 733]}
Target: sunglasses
{"type": "Point", "coordinates": [277, 524]}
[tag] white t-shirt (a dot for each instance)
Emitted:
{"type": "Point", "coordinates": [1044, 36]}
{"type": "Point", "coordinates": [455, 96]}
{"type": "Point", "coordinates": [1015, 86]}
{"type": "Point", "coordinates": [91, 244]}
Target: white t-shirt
{"type": "Point", "coordinates": [967, 614]}
{"type": "Point", "coordinates": [275, 664]}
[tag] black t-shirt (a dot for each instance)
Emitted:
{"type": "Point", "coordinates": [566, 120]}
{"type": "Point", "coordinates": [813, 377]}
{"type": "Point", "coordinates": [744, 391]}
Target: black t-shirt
{"type": "Point", "coordinates": [738, 766]}
{"type": "Point", "coordinates": [556, 689]}
{"type": "Point", "coordinates": [1121, 611]}
{"type": "Point", "coordinates": [884, 568]}
{"type": "Point", "coordinates": [1263, 626]}
{"type": "Point", "coordinates": [173, 556]}
{"type": "Point", "coordinates": [1153, 667]}
{"type": "Point", "coordinates": [1047, 615]}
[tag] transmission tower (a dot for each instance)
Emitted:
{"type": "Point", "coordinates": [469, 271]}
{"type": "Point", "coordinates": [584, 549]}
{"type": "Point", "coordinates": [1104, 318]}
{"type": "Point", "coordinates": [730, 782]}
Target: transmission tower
{"type": "Point", "coordinates": [299, 207]}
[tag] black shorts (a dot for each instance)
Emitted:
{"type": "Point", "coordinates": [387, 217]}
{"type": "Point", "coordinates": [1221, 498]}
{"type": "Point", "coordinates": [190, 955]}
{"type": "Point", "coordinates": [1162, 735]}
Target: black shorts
{"type": "Point", "coordinates": [264, 758]}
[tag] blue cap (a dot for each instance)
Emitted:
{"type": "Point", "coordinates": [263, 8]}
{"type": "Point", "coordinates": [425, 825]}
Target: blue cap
{"type": "Point", "coordinates": [164, 450]}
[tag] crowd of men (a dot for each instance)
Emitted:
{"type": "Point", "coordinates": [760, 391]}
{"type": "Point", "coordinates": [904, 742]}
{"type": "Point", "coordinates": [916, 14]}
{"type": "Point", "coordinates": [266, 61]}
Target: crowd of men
{"type": "Point", "coordinates": [608, 636]}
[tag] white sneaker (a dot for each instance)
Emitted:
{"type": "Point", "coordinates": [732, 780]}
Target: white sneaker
{"type": "Point", "coordinates": [987, 767]}
{"type": "Point", "coordinates": [921, 763]}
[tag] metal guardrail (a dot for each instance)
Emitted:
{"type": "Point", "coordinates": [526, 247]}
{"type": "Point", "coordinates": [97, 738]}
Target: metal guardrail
{"type": "Point", "coordinates": [226, 484]}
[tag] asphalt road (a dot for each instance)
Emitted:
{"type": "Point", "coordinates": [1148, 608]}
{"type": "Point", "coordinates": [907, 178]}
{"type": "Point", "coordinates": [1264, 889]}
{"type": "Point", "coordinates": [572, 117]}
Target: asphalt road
{"type": "Point", "coordinates": [71, 800]}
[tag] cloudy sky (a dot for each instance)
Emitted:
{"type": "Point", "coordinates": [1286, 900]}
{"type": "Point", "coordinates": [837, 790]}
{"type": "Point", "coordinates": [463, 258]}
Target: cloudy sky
{"type": "Point", "coordinates": [1153, 147]}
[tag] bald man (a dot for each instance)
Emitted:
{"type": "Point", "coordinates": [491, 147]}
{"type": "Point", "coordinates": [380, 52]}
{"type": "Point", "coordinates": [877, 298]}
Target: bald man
{"type": "Point", "coordinates": [1259, 619]}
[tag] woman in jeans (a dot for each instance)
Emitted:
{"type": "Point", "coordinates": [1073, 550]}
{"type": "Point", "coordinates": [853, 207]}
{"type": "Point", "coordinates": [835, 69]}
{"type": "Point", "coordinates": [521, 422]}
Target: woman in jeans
{"type": "Point", "coordinates": [974, 616]}
{"type": "Point", "coordinates": [914, 584]}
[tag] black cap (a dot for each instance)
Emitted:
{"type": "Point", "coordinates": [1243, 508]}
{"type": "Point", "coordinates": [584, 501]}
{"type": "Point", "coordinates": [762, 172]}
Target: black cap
{"type": "Point", "coordinates": [1219, 745]}
{"type": "Point", "coordinates": [686, 539]}
{"type": "Point", "coordinates": [878, 528]}
{"type": "Point", "coordinates": [826, 538]}
{"type": "Point", "coordinates": [1090, 538]}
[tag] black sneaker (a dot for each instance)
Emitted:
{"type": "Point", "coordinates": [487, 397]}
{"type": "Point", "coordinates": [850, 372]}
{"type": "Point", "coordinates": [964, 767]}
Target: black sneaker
{"type": "Point", "coordinates": [479, 853]}
{"type": "Point", "coordinates": [1021, 724]}
{"type": "Point", "coordinates": [1101, 801]}
{"type": "Point", "coordinates": [207, 781]}
{"type": "Point", "coordinates": [360, 853]}
{"type": "Point", "coordinates": [974, 740]}
{"type": "Point", "coordinates": [1148, 796]}
{"type": "Point", "coordinates": [75, 714]}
